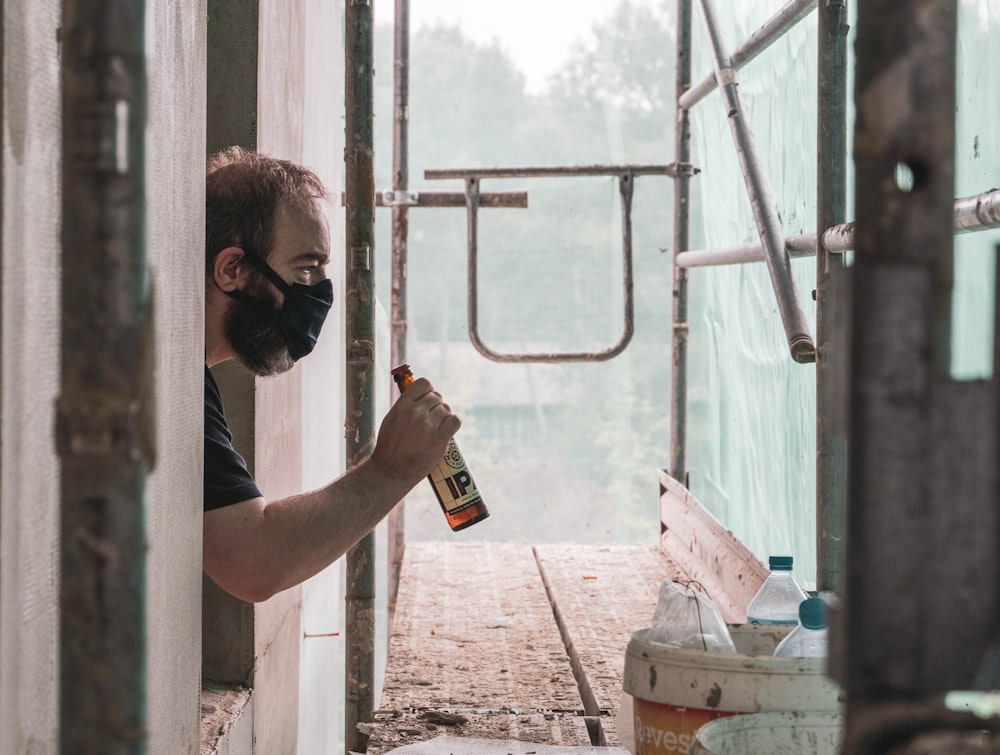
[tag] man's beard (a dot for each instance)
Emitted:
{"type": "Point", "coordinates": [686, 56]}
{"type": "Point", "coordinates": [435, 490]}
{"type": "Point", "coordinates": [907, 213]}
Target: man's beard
{"type": "Point", "coordinates": [254, 335]}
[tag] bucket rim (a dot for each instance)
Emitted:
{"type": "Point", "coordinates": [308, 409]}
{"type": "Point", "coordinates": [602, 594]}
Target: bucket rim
{"type": "Point", "coordinates": [816, 719]}
{"type": "Point", "coordinates": [643, 649]}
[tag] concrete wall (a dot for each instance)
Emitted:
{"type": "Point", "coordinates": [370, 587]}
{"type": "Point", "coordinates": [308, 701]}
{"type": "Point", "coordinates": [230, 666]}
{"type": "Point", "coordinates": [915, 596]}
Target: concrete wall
{"type": "Point", "coordinates": [29, 490]}
{"type": "Point", "coordinates": [275, 85]}
{"type": "Point", "coordinates": [321, 684]}
{"type": "Point", "coordinates": [175, 168]}
{"type": "Point", "coordinates": [31, 255]}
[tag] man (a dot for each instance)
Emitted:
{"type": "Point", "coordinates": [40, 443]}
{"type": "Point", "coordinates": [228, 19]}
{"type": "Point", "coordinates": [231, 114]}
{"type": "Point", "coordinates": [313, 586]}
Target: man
{"type": "Point", "coordinates": [266, 296]}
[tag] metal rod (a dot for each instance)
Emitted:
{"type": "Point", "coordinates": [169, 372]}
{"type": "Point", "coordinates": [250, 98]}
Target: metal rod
{"type": "Point", "coordinates": [104, 431]}
{"type": "Point", "coordinates": [360, 361]}
{"type": "Point", "coordinates": [445, 199]}
{"type": "Point", "coordinates": [796, 246]}
{"type": "Point", "coordinates": [490, 199]}
{"type": "Point", "coordinates": [760, 40]}
{"type": "Point", "coordinates": [979, 212]}
{"type": "Point", "coordinates": [552, 171]}
{"type": "Point", "coordinates": [625, 186]}
{"type": "Point", "coordinates": [765, 214]}
{"type": "Point", "coordinates": [682, 223]}
{"type": "Point", "coordinates": [396, 521]}
{"type": "Point", "coordinates": [831, 202]}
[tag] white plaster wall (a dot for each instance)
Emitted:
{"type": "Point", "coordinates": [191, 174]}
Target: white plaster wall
{"type": "Point", "coordinates": [321, 682]}
{"type": "Point", "coordinates": [279, 403]}
{"type": "Point", "coordinates": [175, 179]}
{"type": "Point", "coordinates": [29, 492]}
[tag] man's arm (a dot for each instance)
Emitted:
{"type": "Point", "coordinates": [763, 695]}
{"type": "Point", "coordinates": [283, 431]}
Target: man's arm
{"type": "Point", "coordinates": [255, 549]}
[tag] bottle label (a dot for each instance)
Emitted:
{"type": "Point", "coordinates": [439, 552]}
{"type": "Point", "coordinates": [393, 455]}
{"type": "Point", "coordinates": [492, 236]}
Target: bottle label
{"type": "Point", "coordinates": [783, 622]}
{"type": "Point", "coordinates": [453, 482]}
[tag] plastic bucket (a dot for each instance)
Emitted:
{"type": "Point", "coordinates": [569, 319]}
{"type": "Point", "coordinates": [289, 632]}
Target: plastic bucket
{"type": "Point", "coordinates": [772, 733]}
{"type": "Point", "coordinates": [676, 691]}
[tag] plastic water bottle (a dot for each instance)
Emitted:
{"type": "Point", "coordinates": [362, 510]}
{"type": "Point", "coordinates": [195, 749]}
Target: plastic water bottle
{"type": "Point", "coordinates": [777, 601]}
{"type": "Point", "coordinates": [809, 638]}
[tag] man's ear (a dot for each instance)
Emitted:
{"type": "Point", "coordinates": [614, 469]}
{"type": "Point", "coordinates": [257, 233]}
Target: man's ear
{"type": "Point", "coordinates": [228, 268]}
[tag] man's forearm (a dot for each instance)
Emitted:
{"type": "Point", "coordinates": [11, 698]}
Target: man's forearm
{"type": "Point", "coordinates": [255, 549]}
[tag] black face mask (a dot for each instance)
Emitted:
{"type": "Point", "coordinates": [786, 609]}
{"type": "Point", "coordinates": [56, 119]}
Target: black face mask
{"type": "Point", "coordinates": [301, 317]}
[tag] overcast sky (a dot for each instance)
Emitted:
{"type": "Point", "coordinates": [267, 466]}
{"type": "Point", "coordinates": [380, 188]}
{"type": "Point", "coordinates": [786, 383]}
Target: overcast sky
{"type": "Point", "coordinates": [537, 34]}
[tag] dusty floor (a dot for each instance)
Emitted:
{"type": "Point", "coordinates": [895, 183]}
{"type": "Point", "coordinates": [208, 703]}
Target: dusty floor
{"type": "Point", "coordinates": [511, 641]}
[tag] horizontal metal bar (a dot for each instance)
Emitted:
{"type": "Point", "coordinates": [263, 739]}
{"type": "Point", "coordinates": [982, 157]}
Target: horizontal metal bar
{"type": "Point", "coordinates": [976, 213]}
{"type": "Point", "coordinates": [553, 171]}
{"type": "Point", "coordinates": [797, 246]}
{"type": "Point", "coordinates": [759, 41]}
{"type": "Point", "coordinates": [509, 199]}
{"type": "Point", "coordinates": [493, 199]}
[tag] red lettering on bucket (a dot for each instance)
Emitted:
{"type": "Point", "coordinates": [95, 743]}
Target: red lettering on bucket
{"type": "Point", "coordinates": [665, 729]}
{"type": "Point", "coordinates": [662, 740]}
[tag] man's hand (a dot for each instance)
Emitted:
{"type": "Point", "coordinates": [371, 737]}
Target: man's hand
{"type": "Point", "coordinates": [414, 434]}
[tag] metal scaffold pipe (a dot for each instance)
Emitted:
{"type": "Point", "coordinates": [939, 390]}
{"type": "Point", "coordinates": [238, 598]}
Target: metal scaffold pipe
{"type": "Point", "coordinates": [359, 196]}
{"type": "Point", "coordinates": [759, 41]}
{"type": "Point", "coordinates": [104, 433]}
{"type": "Point", "coordinates": [831, 351]}
{"type": "Point", "coordinates": [682, 223]}
{"type": "Point", "coordinates": [979, 212]}
{"type": "Point", "coordinates": [764, 211]}
{"type": "Point", "coordinates": [396, 523]}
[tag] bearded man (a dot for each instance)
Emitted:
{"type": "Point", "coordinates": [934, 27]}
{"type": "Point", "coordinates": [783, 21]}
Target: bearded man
{"type": "Point", "coordinates": [267, 294]}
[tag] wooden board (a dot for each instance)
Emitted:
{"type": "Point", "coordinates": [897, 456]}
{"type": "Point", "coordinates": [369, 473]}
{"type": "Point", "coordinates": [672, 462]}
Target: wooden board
{"type": "Point", "coordinates": [600, 596]}
{"type": "Point", "coordinates": [474, 634]}
{"type": "Point", "coordinates": [705, 549]}
{"type": "Point", "coordinates": [395, 728]}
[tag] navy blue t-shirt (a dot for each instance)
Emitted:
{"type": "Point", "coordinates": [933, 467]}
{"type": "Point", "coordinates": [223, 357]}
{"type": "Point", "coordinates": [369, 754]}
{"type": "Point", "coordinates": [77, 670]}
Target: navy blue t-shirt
{"type": "Point", "coordinates": [227, 479]}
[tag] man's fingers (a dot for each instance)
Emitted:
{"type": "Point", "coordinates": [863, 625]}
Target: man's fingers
{"type": "Point", "coordinates": [418, 390]}
{"type": "Point", "coordinates": [438, 413]}
{"type": "Point", "coordinates": [450, 425]}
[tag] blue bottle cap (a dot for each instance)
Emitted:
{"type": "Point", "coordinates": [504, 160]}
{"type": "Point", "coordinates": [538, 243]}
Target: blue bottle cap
{"type": "Point", "coordinates": [813, 613]}
{"type": "Point", "coordinates": [780, 563]}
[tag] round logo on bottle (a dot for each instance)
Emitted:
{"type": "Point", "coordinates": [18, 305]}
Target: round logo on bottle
{"type": "Point", "coordinates": [453, 457]}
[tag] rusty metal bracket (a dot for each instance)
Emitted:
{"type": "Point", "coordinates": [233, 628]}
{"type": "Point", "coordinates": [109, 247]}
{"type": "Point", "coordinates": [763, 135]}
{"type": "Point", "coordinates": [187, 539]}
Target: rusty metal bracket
{"type": "Point", "coordinates": [626, 176]}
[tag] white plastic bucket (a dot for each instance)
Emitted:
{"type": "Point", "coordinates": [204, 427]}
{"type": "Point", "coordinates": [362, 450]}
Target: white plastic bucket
{"type": "Point", "coordinates": [676, 691]}
{"type": "Point", "coordinates": [792, 733]}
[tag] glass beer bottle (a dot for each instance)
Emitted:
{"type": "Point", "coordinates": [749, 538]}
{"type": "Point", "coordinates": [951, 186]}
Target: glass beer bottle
{"type": "Point", "coordinates": [451, 479]}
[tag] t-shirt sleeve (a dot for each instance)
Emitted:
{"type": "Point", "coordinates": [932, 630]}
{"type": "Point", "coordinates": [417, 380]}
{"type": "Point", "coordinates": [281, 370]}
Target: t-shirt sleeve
{"type": "Point", "coordinates": [227, 479]}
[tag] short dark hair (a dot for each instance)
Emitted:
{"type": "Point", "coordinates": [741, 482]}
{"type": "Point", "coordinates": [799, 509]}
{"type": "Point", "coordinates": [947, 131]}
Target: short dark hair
{"type": "Point", "coordinates": [243, 192]}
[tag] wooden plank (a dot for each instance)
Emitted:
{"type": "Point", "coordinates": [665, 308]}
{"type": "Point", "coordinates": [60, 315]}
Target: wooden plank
{"type": "Point", "coordinates": [601, 595]}
{"type": "Point", "coordinates": [395, 728]}
{"type": "Point", "coordinates": [474, 632]}
{"type": "Point", "coordinates": [729, 571]}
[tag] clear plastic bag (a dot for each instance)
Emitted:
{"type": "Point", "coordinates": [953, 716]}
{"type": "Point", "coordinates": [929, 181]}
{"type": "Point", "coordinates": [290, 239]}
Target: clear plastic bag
{"type": "Point", "coordinates": [687, 618]}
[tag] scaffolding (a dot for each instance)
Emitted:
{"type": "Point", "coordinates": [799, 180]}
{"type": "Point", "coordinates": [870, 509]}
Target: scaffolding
{"type": "Point", "coordinates": [903, 239]}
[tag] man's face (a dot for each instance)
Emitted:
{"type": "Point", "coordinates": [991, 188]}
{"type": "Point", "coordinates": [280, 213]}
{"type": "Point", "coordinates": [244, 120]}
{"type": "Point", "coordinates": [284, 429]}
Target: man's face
{"type": "Point", "coordinates": [300, 254]}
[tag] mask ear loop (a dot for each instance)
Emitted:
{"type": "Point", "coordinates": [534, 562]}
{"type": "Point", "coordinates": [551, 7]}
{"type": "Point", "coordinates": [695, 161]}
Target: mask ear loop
{"type": "Point", "coordinates": [257, 261]}
{"type": "Point", "coordinates": [244, 298]}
